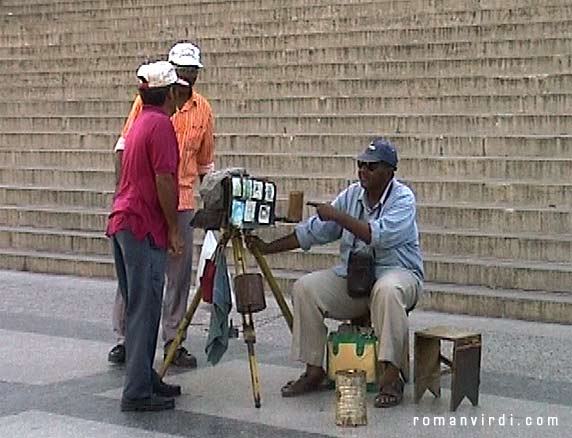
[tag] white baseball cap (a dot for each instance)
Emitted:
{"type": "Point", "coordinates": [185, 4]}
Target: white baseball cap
{"type": "Point", "coordinates": [159, 74]}
{"type": "Point", "coordinates": [185, 55]}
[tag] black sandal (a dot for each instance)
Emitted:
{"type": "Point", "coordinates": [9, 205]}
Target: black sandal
{"type": "Point", "coordinates": [389, 395]}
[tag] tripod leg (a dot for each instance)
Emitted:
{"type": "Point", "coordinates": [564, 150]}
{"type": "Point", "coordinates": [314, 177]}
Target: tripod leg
{"type": "Point", "coordinates": [184, 324]}
{"type": "Point", "coordinates": [250, 339]}
{"type": "Point", "coordinates": [181, 330]}
{"type": "Point", "coordinates": [276, 291]}
{"type": "Point", "coordinates": [247, 323]}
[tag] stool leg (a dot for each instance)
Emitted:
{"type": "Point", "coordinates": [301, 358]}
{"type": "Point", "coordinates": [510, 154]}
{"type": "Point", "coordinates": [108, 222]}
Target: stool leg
{"type": "Point", "coordinates": [465, 380]}
{"type": "Point", "coordinates": [427, 368]}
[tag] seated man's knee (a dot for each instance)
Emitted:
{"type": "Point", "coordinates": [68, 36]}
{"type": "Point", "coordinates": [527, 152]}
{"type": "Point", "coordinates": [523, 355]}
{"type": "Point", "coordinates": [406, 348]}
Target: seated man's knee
{"type": "Point", "coordinates": [300, 289]}
{"type": "Point", "coordinates": [386, 288]}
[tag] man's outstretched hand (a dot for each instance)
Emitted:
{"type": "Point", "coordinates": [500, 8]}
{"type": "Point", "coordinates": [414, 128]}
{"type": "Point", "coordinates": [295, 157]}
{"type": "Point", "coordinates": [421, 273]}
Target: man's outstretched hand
{"type": "Point", "coordinates": [255, 242]}
{"type": "Point", "coordinates": [326, 212]}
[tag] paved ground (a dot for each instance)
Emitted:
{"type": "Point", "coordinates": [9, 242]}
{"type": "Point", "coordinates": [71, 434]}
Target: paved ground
{"type": "Point", "coordinates": [55, 380]}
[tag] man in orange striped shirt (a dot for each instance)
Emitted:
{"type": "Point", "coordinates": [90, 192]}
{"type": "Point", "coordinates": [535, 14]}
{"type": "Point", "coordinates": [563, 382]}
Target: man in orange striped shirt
{"type": "Point", "coordinates": [194, 127]}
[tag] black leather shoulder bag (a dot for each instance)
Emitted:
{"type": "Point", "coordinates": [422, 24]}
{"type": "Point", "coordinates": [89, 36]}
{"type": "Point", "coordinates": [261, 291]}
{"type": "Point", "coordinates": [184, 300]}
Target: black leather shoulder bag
{"type": "Point", "coordinates": [361, 265]}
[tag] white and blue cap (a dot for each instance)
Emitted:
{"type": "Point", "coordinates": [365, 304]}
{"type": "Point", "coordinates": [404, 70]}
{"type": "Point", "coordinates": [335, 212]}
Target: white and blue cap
{"type": "Point", "coordinates": [185, 55]}
{"type": "Point", "coordinates": [380, 149]}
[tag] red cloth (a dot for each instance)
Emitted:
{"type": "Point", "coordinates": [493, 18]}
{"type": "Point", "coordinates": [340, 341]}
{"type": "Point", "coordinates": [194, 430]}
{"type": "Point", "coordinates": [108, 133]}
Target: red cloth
{"type": "Point", "coordinates": [150, 149]}
{"type": "Point", "coordinates": [207, 280]}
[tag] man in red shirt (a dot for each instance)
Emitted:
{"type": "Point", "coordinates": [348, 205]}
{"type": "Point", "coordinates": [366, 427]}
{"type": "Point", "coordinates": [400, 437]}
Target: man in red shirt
{"type": "Point", "coordinates": [193, 124]}
{"type": "Point", "coordinates": [142, 226]}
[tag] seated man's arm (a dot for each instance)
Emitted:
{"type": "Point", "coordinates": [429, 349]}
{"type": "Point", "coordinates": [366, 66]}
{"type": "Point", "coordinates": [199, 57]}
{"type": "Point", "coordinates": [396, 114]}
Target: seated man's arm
{"type": "Point", "coordinates": [314, 231]}
{"type": "Point", "coordinates": [286, 243]}
{"type": "Point", "coordinates": [358, 228]}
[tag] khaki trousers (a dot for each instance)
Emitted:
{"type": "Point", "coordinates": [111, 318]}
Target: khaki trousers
{"type": "Point", "coordinates": [323, 294]}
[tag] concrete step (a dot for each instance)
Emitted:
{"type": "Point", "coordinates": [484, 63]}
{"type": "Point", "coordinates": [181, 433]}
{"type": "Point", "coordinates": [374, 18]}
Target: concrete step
{"type": "Point", "coordinates": [509, 219]}
{"type": "Point", "coordinates": [70, 158]}
{"type": "Point", "coordinates": [58, 139]}
{"type": "Point", "coordinates": [268, 34]}
{"type": "Point", "coordinates": [54, 240]}
{"type": "Point", "coordinates": [405, 87]}
{"type": "Point", "coordinates": [492, 192]}
{"type": "Point", "coordinates": [303, 37]}
{"type": "Point", "coordinates": [201, 6]}
{"type": "Point", "coordinates": [490, 272]}
{"type": "Point", "coordinates": [541, 169]}
{"type": "Point", "coordinates": [56, 217]}
{"type": "Point", "coordinates": [472, 300]}
{"type": "Point", "coordinates": [465, 243]}
{"type": "Point", "coordinates": [546, 103]}
{"type": "Point", "coordinates": [287, 11]}
{"type": "Point", "coordinates": [486, 271]}
{"type": "Point", "coordinates": [313, 33]}
{"type": "Point", "coordinates": [436, 240]}
{"type": "Point", "coordinates": [501, 303]}
{"type": "Point", "coordinates": [62, 177]}
{"type": "Point", "coordinates": [470, 270]}
{"type": "Point", "coordinates": [317, 123]}
{"type": "Point", "coordinates": [442, 190]}
{"type": "Point", "coordinates": [56, 263]}
{"type": "Point", "coordinates": [505, 218]}
{"type": "Point", "coordinates": [349, 52]}
{"type": "Point", "coordinates": [507, 246]}
{"type": "Point", "coordinates": [514, 65]}
{"type": "Point", "coordinates": [46, 195]}
{"type": "Point", "coordinates": [442, 144]}
{"type": "Point", "coordinates": [67, 107]}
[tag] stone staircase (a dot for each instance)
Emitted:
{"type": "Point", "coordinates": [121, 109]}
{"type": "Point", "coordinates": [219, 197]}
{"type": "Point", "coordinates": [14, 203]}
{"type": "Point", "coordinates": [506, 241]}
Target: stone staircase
{"type": "Point", "coordinates": [473, 92]}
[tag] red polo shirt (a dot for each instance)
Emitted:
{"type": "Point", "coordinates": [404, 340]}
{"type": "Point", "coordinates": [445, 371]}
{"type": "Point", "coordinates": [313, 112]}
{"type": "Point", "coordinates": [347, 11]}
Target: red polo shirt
{"type": "Point", "coordinates": [150, 149]}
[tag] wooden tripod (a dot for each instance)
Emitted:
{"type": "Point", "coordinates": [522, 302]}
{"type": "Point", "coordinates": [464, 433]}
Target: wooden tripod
{"type": "Point", "coordinates": [235, 235]}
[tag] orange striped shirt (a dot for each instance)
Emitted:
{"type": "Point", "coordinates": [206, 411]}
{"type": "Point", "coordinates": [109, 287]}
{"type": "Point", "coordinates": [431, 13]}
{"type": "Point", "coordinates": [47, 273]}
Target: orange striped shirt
{"type": "Point", "coordinates": [194, 126]}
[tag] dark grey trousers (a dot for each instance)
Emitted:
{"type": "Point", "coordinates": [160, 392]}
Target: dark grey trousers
{"type": "Point", "coordinates": [141, 275]}
{"type": "Point", "coordinates": [178, 272]}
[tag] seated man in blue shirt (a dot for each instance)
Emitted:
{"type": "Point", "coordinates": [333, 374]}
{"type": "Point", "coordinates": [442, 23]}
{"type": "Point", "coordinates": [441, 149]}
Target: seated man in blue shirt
{"type": "Point", "coordinates": [376, 215]}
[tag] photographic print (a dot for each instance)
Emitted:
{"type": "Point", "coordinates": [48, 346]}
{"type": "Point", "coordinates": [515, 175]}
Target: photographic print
{"type": "Point", "coordinates": [257, 190]}
{"type": "Point", "coordinates": [246, 188]}
{"type": "Point", "coordinates": [237, 215]}
{"type": "Point", "coordinates": [249, 211]}
{"type": "Point", "coordinates": [236, 187]}
{"type": "Point", "coordinates": [269, 192]}
{"type": "Point", "coordinates": [264, 214]}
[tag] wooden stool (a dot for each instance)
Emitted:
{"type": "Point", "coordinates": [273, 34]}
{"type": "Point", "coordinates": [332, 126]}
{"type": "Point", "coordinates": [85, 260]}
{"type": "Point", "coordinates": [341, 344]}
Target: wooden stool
{"type": "Point", "coordinates": [465, 367]}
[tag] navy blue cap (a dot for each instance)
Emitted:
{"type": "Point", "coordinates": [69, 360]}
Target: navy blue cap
{"type": "Point", "coordinates": [380, 149]}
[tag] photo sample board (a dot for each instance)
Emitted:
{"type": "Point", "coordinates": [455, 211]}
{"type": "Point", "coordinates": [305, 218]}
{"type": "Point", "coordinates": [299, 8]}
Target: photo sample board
{"type": "Point", "coordinates": [253, 202]}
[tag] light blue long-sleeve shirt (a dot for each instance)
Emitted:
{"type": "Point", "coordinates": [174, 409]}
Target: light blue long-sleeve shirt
{"type": "Point", "coordinates": [394, 234]}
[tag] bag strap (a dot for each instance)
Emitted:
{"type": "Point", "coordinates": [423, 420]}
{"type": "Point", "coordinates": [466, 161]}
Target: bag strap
{"type": "Point", "coordinates": [381, 206]}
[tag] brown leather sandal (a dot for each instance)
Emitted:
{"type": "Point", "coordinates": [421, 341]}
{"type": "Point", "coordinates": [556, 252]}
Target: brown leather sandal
{"type": "Point", "coordinates": [389, 395]}
{"type": "Point", "coordinates": [304, 385]}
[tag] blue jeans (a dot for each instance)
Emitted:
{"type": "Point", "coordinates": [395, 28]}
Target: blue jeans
{"type": "Point", "coordinates": [140, 270]}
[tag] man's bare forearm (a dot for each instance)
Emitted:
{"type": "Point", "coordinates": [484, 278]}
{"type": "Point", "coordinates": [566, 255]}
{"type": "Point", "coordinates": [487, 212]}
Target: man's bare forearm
{"type": "Point", "coordinates": [286, 243]}
{"type": "Point", "coordinates": [167, 194]}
